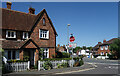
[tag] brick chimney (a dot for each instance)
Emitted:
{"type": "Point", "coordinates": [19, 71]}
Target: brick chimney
{"type": "Point", "coordinates": [99, 42]}
{"type": "Point", "coordinates": [9, 5]}
{"type": "Point", "coordinates": [104, 40]}
{"type": "Point", "coordinates": [58, 45]}
{"type": "Point", "coordinates": [31, 10]}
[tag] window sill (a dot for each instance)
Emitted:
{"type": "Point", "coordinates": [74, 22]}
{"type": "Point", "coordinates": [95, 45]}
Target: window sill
{"type": "Point", "coordinates": [11, 37]}
{"type": "Point", "coordinates": [44, 38]}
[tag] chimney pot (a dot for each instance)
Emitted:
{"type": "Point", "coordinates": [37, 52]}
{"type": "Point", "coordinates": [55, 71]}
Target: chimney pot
{"type": "Point", "coordinates": [99, 42]}
{"type": "Point", "coordinates": [9, 5]}
{"type": "Point", "coordinates": [104, 40]}
{"type": "Point", "coordinates": [31, 10]}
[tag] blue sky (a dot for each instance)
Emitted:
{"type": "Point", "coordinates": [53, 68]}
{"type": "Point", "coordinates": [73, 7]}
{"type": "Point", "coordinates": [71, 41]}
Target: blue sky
{"type": "Point", "coordinates": [91, 22]}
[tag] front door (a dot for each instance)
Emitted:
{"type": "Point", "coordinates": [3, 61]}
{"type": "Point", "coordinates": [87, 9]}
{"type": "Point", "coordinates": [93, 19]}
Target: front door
{"type": "Point", "coordinates": [32, 57]}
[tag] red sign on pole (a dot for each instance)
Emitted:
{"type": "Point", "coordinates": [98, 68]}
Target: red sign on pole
{"type": "Point", "coordinates": [72, 38]}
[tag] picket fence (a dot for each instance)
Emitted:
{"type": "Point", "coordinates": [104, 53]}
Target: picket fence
{"type": "Point", "coordinates": [55, 63]}
{"type": "Point", "coordinates": [18, 66]}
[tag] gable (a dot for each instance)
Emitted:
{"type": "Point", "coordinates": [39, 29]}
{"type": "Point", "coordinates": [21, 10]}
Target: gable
{"type": "Point", "coordinates": [39, 17]}
{"type": "Point", "coordinates": [30, 44]}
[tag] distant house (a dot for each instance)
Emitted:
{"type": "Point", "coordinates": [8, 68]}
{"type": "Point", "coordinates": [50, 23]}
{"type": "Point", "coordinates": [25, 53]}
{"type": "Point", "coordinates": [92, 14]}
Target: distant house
{"type": "Point", "coordinates": [24, 34]}
{"type": "Point", "coordinates": [84, 52]}
{"type": "Point", "coordinates": [102, 48]}
{"type": "Point", "coordinates": [61, 48]}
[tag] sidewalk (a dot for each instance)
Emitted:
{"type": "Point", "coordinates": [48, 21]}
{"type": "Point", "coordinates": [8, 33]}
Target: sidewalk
{"type": "Point", "coordinates": [52, 71]}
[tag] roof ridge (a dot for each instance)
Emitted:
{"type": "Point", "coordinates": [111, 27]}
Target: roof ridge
{"type": "Point", "coordinates": [18, 11]}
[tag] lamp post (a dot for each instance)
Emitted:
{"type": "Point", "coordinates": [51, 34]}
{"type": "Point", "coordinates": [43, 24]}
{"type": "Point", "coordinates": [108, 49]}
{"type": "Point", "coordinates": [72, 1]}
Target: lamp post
{"type": "Point", "coordinates": [68, 37]}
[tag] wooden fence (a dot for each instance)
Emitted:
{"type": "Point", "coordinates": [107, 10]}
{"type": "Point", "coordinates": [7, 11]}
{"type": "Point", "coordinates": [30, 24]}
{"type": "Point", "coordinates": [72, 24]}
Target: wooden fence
{"type": "Point", "coordinates": [18, 66]}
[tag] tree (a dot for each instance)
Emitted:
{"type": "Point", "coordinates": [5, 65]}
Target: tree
{"type": "Point", "coordinates": [90, 48]}
{"type": "Point", "coordinates": [76, 49]}
{"type": "Point", "coordinates": [84, 47]}
{"type": "Point", "coordinates": [115, 48]}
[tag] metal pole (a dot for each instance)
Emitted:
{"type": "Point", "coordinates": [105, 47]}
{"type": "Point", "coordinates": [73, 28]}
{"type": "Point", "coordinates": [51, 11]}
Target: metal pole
{"type": "Point", "coordinates": [68, 37]}
{"type": "Point", "coordinates": [72, 56]}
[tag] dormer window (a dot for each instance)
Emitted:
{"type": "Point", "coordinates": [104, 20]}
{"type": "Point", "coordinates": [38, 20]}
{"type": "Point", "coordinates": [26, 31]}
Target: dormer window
{"type": "Point", "coordinates": [10, 34]}
{"type": "Point", "coordinates": [25, 35]}
{"type": "Point", "coordinates": [43, 21]}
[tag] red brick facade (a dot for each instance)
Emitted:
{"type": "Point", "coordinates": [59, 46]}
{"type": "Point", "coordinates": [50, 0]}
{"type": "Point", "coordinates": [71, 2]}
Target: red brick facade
{"type": "Point", "coordinates": [30, 23]}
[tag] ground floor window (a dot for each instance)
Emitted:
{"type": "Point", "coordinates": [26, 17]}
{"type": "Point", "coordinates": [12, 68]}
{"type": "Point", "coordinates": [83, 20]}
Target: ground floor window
{"type": "Point", "coordinates": [11, 54]}
{"type": "Point", "coordinates": [45, 53]}
{"type": "Point", "coordinates": [102, 53]}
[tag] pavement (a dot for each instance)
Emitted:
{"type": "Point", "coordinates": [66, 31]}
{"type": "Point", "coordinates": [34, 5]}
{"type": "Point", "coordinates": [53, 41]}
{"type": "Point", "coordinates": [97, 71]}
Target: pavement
{"type": "Point", "coordinates": [68, 70]}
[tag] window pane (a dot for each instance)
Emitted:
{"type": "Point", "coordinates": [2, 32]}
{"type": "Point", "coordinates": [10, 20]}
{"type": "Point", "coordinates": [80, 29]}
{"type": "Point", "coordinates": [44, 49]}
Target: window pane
{"type": "Point", "coordinates": [13, 55]}
{"type": "Point", "coordinates": [8, 34]}
{"type": "Point", "coordinates": [9, 54]}
{"type": "Point", "coordinates": [12, 34]}
{"type": "Point", "coordinates": [43, 21]}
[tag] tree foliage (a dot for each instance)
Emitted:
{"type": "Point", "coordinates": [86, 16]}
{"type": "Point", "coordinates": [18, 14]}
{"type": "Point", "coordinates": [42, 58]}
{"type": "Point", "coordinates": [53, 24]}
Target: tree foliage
{"type": "Point", "coordinates": [76, 49]}
{"type": "Point", "coordinates": [115, 48]}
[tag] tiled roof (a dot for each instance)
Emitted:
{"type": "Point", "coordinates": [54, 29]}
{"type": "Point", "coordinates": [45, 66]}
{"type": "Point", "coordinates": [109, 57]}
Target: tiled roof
{"type": "Point", "coordinates": [16, 20]}
{"type": "Point", "coordinates": [105, 43]}
{"type": "Point", "coordinates": [10, 44]}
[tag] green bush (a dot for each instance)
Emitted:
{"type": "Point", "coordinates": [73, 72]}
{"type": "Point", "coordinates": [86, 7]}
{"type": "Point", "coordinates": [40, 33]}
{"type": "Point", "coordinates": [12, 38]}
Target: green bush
{"type": "Point", "coordinates": [13, 61]}
{"type": "Point", "coordinates": [53, 59]}
{"type": "Point", "coordinates": [35, 67]}
{"type": "Point", "coordinates": [65, 55]}
{"type": "Point", "coordinates": [26, 58]}
{"type": "Point", "coordinates": [63, 65]}
{"type": "Point", "coordinates": [81, 62]}
{"type": "Point", "coordinates": [4, 70]}
{"type": "Point", "coordinates": [47, 65]}
{"type": "Point", "coordinates": [78, 63]}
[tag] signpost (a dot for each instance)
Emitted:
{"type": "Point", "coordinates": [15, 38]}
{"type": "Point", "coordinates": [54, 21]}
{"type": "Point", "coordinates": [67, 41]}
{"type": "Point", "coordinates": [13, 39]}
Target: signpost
{"type": "Point", "coordinates": [72, 45]}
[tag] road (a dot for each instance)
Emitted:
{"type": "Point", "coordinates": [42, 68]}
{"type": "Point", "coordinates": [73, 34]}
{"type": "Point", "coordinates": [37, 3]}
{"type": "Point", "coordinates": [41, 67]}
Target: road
{"type": "Point", "coordinates": [106, 67]}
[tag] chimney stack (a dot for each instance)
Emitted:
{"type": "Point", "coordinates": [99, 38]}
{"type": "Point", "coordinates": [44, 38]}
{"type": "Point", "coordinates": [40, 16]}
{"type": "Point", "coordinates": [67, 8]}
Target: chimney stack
{"type": "Point", "coordinates": [31, 10]}
{"type": "Point", "coordinates": [99, 42]}
{"type": "Point", "coordinates": [104, 40]}
{"type": "Point", "coordinates": [9, 5]}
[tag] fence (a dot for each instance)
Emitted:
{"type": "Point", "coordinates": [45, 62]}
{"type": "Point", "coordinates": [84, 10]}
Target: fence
{"type": "Point", "coordinates": [55, 63]}
{"type": "Point", "coordinates": [18, 66]}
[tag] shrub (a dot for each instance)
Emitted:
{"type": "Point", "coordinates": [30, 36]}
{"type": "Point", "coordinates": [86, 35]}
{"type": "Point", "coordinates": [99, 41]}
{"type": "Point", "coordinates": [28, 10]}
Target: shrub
{"type": "Point", "coordinates": [4, 70]}
{"type": "Point", "coordinates": [26, 58]}
{"type": "Point", "coordinates": [63, 65]}
{"type": "Point", "coordinates": [53, 59]}
{"type": "Point", "coordinates": [35, 67]}
{"type": "Point", "coordinates": [13, 61]}
{"type": "Point", "coordinates": [47, 65]}
{"type": "Point", "coordinates": [65, 55]}
{"type": "Point", "coordinates": [78, 63]}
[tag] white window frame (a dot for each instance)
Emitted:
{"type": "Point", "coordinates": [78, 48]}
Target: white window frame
{"type": "Point", "coordinates": [47, 36]}
{"type": "Point", "coordinates": [101, 47]}
{"type": "Point", "coordinates": [10, 34]}
{"type": "Point", "coordinates": [46, 50]}
{"type": "Point", "coordinates": [24, 35]}
{"type": "Point", "coordinates": [106, 47]}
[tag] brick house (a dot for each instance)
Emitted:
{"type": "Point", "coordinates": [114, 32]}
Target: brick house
{"type": "Point", "coordinates": [24, 34]}
{"type": "Point", "coordinates": [102, 48]}
{"type": "Point", "coordinates": [61, 48]}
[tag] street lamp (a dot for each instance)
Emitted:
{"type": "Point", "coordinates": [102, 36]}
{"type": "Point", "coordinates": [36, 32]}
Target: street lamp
{"type": "Point", "coordinates": [68, 37]}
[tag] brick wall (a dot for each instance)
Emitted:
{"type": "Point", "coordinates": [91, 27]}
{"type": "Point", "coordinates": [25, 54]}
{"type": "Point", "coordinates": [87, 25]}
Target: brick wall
{"type": "Point", "coordinates": [45, 43]}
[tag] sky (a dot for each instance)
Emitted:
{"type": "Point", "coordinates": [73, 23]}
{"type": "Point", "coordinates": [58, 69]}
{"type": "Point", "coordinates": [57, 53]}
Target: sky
{"type": "Point", "coordinates": [90, 22]}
